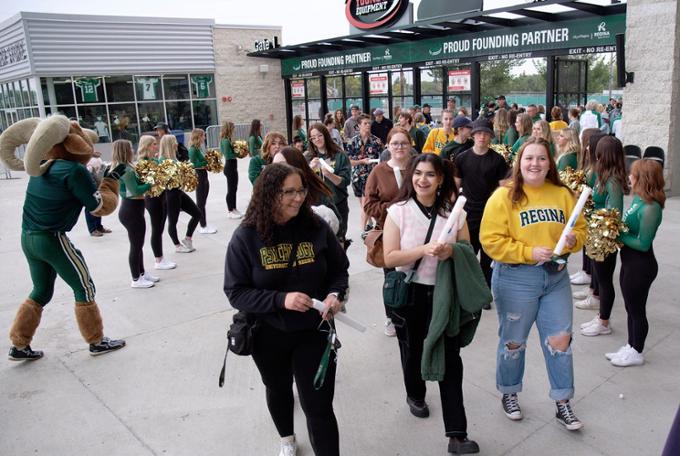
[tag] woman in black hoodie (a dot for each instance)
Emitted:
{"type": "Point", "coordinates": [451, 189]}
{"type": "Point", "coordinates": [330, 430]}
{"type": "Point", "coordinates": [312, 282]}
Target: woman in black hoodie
{"type": "Point", "coordinates": [262, 279]}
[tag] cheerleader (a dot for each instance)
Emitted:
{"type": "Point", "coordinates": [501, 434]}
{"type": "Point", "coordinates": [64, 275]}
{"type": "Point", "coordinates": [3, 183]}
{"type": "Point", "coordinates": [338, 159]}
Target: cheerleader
{"type": "Point", "coordinates": [200, 164]}
{"type": "Point", "coordinates": [230, 169]}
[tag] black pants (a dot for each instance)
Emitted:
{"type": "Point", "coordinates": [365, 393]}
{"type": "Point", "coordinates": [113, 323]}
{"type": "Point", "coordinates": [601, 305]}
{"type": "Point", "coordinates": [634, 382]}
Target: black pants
{"type": "Point", "coordinates": [638, 271]}
{"type": "Point", "coordinates": [178, 200]}
{"type": "Point", "coordinates": [231, 173]}
{"type": "Point", "coordinates": [279, 357]}
{"type": "Point", "coordinates": [202, 190]}
{"type": "Point", "coordinates": [131, 215]}
{"type": "Point", "coordinates": [343, 209]}
{"type": "Point", "coordinates": [586, 265]}
{"type": "Point", "coordinates": [93, 222]}
{"type": "Point", "coordinates": [412, 324]}
{"type": "Point", "coordinates": [484, 259]}
{"type": "Point", "coordinates": [603, 272]}
{"type": "Point", "coordinates": [156, 206]}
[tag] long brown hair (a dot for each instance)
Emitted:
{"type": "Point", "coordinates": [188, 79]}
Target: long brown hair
{"type": "Point", "coordinates": [611, 163]}
{"type": "Point", "coordinates": [649, 182]}
{"type": "Point", "coordinates": [227, 130]}
{"type": "Point", "coordinates": [443, 168]}
{"type": "Point", "coordinates": [517, 195]}
{"type": "Point", "coordinates": [525, 124]}
{"type": "Point", "coordinates": [317, 189]}
{"type": "Point", "coordinates": [331, 147]}
{"type": "Point", "coordinates": [587, 158]}
{"type": "Point", "coordinates": [500, 125]}
{"type": "Point", "coordinates": [268, 140]}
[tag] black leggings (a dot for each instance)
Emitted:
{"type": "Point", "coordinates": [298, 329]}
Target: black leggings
{"type": "Point", "coordinates": [343, 210]}
{"type": "Point", "coordinates": [202, 191]}
{"type": "Point", "coordinates": [231, 173]}
{"type": "Point", "coordinates": [178, 200]}
{"type": "Point", "coordinates": [279, 357]}
{"type": "Point", "coordinates": [484, 259]}
{"type": "Point", "coordinates": [603, 272]}
{"type": "Point", "coordinates": [157, 213]}
{"type": "Point", "coordinates": [638, 271]}
{"type": "Point", "coordinates": [131, 215]}
{"type": "Point", "coordinates": [412, 323]}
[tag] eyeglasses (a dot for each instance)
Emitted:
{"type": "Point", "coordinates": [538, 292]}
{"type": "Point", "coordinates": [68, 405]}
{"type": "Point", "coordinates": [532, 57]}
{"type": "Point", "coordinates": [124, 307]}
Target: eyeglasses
{"type": "Point", "coordinates": [400, 145]}
{"type": "Point", "coordinates": [290, 193]}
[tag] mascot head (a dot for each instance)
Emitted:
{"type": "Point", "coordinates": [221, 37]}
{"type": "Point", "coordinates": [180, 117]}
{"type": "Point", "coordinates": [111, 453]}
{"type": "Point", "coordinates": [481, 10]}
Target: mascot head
{"type": "Point", "coordinates": [47, 139]}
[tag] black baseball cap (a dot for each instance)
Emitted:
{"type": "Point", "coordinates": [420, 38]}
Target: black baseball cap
{"type": "Point", "coordinates": [462, 121]}
{"type": "Point", "coordinates": [500, 97]}
{"type": "Point", "coordinates": [162, 126]}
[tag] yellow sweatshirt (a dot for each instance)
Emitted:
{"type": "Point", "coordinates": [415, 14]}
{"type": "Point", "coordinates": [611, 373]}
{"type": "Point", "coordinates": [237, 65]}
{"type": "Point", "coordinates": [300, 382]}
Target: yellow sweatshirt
{"type": "Point", "coordinates": [508, 234]}
{"type": "Point", "coordinates": [437, 139]}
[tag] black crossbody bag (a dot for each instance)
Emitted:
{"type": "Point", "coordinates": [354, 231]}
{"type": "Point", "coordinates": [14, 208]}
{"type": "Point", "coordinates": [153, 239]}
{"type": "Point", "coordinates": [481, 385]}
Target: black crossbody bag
{"type": "Point", "coordinates": [243, 328]}
{"type": "Point", "coordinates": [397, 286]}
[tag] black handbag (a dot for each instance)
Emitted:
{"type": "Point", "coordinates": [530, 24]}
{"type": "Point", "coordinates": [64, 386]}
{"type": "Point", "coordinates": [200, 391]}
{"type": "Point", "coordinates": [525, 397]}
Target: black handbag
{"type": "Point", "coordinates": [241, 332]}
{"type": "Point", "coordinates": [397, 286]}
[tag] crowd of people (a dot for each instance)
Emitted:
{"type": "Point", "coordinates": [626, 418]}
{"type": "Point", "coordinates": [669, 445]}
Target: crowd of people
{"type": "Point", "coordinates": [289, 251]}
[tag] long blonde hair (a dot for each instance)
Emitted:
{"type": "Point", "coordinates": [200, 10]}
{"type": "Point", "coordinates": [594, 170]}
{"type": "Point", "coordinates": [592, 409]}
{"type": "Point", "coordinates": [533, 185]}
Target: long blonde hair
{"type": "Point", "coordinates": [122, 153]}
{"type": "Point", "coordinates": [168, 147]}
{"type": "Point", "coordinates": [500, 124]}
{"type": "Point", "coordinates": [545, 130]}
{"type": "Point", "coordinates": [227, 130]}
{"type": "Point", "coordinates": [197, 135]}
{"type": "Point", "coordinates": [144, 147]}
{"type": "Point", "coordinates": [573, 144]}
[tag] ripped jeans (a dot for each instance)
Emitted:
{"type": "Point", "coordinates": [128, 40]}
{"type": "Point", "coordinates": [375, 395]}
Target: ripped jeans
{"type": "Point", "coordinates": [525, 294]}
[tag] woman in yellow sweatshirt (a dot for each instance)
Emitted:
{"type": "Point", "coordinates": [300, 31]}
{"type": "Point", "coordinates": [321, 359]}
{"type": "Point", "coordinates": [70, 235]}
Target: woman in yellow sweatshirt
{"type": "Point", "coordinates": [521, 225]}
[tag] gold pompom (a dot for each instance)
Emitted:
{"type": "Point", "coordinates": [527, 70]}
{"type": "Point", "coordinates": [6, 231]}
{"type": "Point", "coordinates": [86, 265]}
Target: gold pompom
{"type": "Point", "coordinates": [604, 228]}
{"type": "Point", "coordinates": [504, 151]}
{"type": "Point", "coordinates": [187, 176]}
{"type": "Point", "coordinates": [148, 173]}
{"type": "Point", "coordinates": [241, 149]}
{"type": "Point", "coordinates": [214, 159]}
{"type": "Point", "coordinates": [168, 174]}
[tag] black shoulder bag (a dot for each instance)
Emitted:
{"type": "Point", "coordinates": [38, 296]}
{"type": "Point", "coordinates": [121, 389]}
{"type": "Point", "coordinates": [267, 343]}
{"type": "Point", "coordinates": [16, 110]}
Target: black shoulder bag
{"type": "Point", "coordinates": [242, 330]}
{"type": "Point", "coordinates": [398, 283]}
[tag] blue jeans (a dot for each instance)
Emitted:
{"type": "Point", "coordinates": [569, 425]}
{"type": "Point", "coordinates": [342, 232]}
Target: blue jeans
{"type": "Point", "coordinates": [525, 294]}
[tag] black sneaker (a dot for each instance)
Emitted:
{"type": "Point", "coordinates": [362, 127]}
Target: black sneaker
{"type": "Point", "coordinates": [565, 415]}
{"type": "Point", "coordinates": [418, 408]}
{"type": "Point", "coordinates": [24, 354]}
{"type": "Point", "coordinates": [511, 406]}
{"type": "Point", "coordinates": [105, 346]}
{"type": "Point", "coordinates": [462, 446]}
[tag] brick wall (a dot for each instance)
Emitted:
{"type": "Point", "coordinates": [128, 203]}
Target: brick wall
{"type": "Point", "coordinates": [254, 95]}
{"type": "Point", "coordinates": [652, 103]}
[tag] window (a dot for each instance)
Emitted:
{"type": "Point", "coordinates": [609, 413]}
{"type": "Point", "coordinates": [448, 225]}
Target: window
{"type": "Point", "coordinates": [205, 113]}
{"type": "Point", "coordinates": [33, 91]}
{"type": "Point", "coordinates": [95, 118]}
{"type": "Point", "coordinates": [179, 114]}
{"type": "Point", "coordinates": [431, 88]}
{"type": "Point", "coordinates": [124, 124]}
{"type": "Point", "coordinates": [119, 88]}
{"type": "Point", "coordinates": [176, 87]}
{"type": "Point", "coordinates": [314, 111]}
{"type": "Point", "coordinates": [89, 89]}
{"type": "Point", "coordinates": [202, 86]}
{"type": "Point", "coordinates": [149, 116]}
{"type": "Point", "coordinates": [148, 88]}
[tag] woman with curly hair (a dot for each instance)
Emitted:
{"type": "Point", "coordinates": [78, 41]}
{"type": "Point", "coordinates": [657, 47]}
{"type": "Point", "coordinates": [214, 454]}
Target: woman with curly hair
{"type": "Point", "coordinates": [197, 158]}
{"type": "Point", "coordinates": [280, 258]}
{"type": "Point", "coordinates": [177, 200]}
{"type": "Point", "coordinates": [273, 143]}
{"type": "Point", "coordinates": [230, 169]}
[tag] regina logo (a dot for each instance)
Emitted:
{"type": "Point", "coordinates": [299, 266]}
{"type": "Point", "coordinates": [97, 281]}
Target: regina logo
{"type": "Point", "coordinates": [602, 31]}
{"type": "Point", "coordinates": [370, 14]}
{"type": "Point", "coordinates": [435, 52]}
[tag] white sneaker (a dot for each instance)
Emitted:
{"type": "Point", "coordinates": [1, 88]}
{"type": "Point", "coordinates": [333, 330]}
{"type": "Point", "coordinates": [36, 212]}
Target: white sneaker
{"type": "Point", "coordinates": [288, 446]}
{"type": "Point", "coordinates": [580, 278]}
{"type": "Point", "coordinates": [207, 230]}
{"type": "Point", "coordinates": [234, 214]}
{"type": "Point", "coordinates": [595, 319]}
{"type": "Point", "coordinates": [581, 294]}
{"type": "Point", "coordinates": [164, 265]}
{"type": "Point", "coordinates": [596, 329]}
{"type": "Point", "coordinates": [141, 283]}
{"type": "Point", "coordinates": [188, 243]}
{"type": "Point", "coordinates": [390, 331]}
{"type": "Point", "coordinates": [590, 303]}
{"type": "Point", "coordinates": [618, 353]}
{"type": "Point", "coordinates": [183, 249]}
{"type": "Point", "coordinates": [630, 357]}
{"type": "Point", "coordinates": [151, 278]}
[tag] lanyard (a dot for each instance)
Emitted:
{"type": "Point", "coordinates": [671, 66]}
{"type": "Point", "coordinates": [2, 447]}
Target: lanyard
{"type": "Point", "coordinates": [320, 376]}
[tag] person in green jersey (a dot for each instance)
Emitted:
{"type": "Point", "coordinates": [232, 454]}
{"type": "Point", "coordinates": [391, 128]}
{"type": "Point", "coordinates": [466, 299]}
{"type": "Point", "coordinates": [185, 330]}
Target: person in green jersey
{"type": "Point", "coordinates": [198, 161]}
{"type": "Point", "coordinates": [58, 189]}
{"type": "Point", "coordinates": [273, 143]}
{"type": "Point", "coordinates": [568, 148]}
{"type": "Point", "coordinates": [511, 133]}
{"type": "Point", "coordinates": [523, 124]}
{"type": "Point", "coordinates": [638, 263]}
{"type": "Point", "coordinates": [230, 169]}
{"type": "Point", "coordinates": [255, 138]}
{"type": "Point", "coordinates": [299, 130]}
{"type": "Point", "coordinates": [541, 129]}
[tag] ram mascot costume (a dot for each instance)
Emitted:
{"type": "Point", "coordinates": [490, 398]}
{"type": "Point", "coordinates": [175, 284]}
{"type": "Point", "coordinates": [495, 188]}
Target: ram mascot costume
{"type": "Point", "coordinates": [57, 150]}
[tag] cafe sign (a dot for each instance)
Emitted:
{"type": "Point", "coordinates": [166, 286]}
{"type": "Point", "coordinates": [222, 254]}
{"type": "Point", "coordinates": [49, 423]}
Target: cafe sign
{"type": "Point", "coordinates": [371, 14]}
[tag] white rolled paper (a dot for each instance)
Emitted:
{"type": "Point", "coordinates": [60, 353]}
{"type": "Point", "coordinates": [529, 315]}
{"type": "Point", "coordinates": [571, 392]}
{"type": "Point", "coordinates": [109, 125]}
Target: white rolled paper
{"type": "Point", "coordinates": [572, 219]}
{"type": "Point", "coordinates": [326, 165]}
{"type": "Point", "coordinates": [374, 160]}
{"type": "Point", "coordinates": [453, 223]}
{"type": "Point", "coordinates": [341, 317]}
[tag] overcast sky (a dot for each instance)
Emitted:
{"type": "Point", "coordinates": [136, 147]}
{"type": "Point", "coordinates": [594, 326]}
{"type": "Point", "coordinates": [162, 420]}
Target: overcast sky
{"type": "Point", "coordinates": [302, 20]}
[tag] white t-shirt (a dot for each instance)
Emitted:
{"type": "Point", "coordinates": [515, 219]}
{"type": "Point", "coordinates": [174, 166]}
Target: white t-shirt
{"type": "Point", "coordinates": [413, 226]}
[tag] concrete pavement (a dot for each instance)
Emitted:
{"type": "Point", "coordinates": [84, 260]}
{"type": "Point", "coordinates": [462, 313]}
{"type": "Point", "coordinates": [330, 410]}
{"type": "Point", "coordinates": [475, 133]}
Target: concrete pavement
{"type": "Point", "coordinates": [159, 395]}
